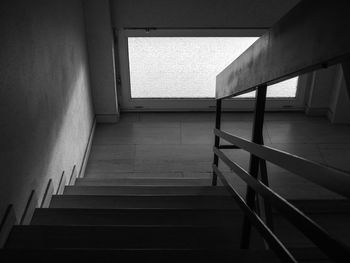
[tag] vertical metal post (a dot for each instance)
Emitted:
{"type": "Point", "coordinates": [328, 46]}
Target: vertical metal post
{"type": "Point", "coordinates": [346, 73]}
{"type": "Point", "coordinates": [257, 137]}
{"type": "Point", "coordinates": [217, 138]}
{"type": "Point", "coordinates": [267, 208]}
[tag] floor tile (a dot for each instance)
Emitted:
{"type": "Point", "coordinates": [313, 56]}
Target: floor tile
{"type": "Point", "coordinates": [173, 158]}
{"type": "Point", "coordinates": [111, 158]}
{"type": "Point", "coordinates": [304, 132]}
{"type": "Point", "coordinates": [139, 133]}
{"type": "Point", "coordinates": [336, 155]}
{"type": "Point", "coordinates": [177, 116]}
{"type": "Point", "coordinates": [180, 145]}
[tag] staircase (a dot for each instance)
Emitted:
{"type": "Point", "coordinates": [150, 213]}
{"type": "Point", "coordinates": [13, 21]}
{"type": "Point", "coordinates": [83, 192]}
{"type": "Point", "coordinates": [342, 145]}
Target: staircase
{"type": "Point", "coordinates": [155, 219]}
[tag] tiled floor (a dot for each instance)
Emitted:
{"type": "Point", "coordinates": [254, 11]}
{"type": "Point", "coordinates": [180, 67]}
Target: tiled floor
{"type": "Point", "coordinates": [179, 145]}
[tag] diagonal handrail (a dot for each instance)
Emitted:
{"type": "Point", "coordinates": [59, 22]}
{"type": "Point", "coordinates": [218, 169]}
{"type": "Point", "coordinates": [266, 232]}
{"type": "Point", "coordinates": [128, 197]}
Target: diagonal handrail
{"type": "Point", "coordinates": [330, 178]}
{"type": "Point", "coordinates": [264, 230]}
{"type": "Point", "coordinates": [307, 38]}
{"type": "Point", "coordinates": [331, 246]}
{"type": "Point", "coordinates": [301, 42]}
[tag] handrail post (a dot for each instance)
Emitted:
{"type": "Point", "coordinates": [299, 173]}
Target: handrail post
{"type": "Point", "coordinates": [257, 137]}
{"type": "Point", "coordinates": [267, 208]}
{"type": "Point", "coordinates": [217, 138]}
{"type": "Point", "coordinates": [346, 72]}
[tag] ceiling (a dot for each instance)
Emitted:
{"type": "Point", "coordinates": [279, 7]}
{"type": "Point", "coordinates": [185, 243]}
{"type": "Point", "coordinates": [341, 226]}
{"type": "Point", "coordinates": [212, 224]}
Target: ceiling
{"type": "Point", "coordinates": [198, 13]}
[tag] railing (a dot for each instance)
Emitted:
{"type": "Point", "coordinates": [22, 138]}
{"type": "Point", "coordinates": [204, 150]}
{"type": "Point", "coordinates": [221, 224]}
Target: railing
{"type": "Point", "coordinates": [307, 38]}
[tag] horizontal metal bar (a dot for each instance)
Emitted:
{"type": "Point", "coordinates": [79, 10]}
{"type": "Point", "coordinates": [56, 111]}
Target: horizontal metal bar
{"type": "Point", "coordinates": [331, 246]}
{"type": "Point", "coordinates": [276, 56]}
{"type": "Point", "coordinates": [267, 234]}
{"type": "Point", "coordinates": [228, 147]}
{"type": "Point", "coordinates": [332, 179]}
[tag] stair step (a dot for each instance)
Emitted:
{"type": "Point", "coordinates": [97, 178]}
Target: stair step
{"type": "Point", "coordinates": [154, 256]}
{"type": "Point", "coordinates": [199, 217]}
{"type": "Point", "coordinates": [161, 181]}
{"type": "Point", "coordinates": [338, 225]}
{"type": "Point", "coordinates": [123, 237]}
{"type": "Point", "coordinates": [145, 190]}
{"type": "Point", "coordinates": [139, 202]}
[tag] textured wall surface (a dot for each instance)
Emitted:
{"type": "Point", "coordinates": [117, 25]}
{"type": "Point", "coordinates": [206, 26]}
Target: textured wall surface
{"type": "Point", "coordinates": [45, 111]}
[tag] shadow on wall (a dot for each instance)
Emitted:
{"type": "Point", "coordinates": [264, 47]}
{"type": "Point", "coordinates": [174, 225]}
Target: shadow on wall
{"type": "Point", "coordinates": [45, 111]}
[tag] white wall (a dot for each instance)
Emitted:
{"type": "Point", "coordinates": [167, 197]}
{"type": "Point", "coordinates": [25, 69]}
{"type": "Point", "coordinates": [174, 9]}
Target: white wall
{"type": "Point", "coordinates": [328, 95]}
{"type": "Point", "coordinates": [46, 112]}
{"type": "Point", "coordinates": [101, 58]}
{"type": "Point", "coordinates": [339, 109]}
{"type": "Point", "coordinates": [320, 91]}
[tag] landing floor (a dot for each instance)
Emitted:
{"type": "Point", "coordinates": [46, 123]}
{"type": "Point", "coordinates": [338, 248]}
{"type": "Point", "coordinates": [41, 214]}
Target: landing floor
{"type": "Point", "coordinates": [180, 145]}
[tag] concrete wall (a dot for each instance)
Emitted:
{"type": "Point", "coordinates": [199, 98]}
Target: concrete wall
{"type": "Point", "coordinates": [339, 108]}
{"type": "Point", "coordinates": [320, 91]}
{"type": "Point", "coordinates": [198, 13]}
{"type": "Point", "coordinates": [46, 112]}
{"type": "Point", "coordinates": [101, 57]}
{"type": "Point", "coordinates": [327, 95]}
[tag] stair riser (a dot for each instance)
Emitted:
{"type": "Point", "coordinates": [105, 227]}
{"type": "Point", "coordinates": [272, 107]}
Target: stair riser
{"type": "Point", "coordinates": [154, 256]}
{"type": "Point", "coordinates": [122, 237]}
{"type": "Point", "coordinates": [140, 190]}
{"type": "Point", "coordinates": [135, 217]}
{"type": "Point", "coordinates": [145, 182]}
{"type": "Point", "coordinates": [142, 202]}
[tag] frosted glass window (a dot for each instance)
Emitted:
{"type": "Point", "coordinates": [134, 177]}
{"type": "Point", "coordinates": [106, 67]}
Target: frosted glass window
{"type": "Point", "coordinates": [186, 67]}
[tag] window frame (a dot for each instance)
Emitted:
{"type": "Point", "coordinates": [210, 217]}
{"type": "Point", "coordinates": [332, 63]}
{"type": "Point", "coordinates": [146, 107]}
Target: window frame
{"type": "Point", "coordinates": [193, 104]}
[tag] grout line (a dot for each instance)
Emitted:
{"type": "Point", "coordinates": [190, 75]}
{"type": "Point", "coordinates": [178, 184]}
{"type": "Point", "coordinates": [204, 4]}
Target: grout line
{"type": "Point", "coordinates": [134, 158]}
{"type": "Point", "coordinates": [181, 142]}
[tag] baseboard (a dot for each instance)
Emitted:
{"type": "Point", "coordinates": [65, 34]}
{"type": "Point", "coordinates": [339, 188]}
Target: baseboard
{"type": "Point", "coordinates": [29, 209]}
{"type": "Point", "coordinates": [61, 184]}
{"type": "Point", "coordinates": [8, 221]}
{"type": "Point", "coordinates": [87, 151]}
{"type": "Point", "coordinates": [316, 111]}
{"type": "Point", "coordinates": [73, 176]}
{"type": "Point", "coordinates": [45, 202]}
{"type": "Point", "coordinates": [107, 118]}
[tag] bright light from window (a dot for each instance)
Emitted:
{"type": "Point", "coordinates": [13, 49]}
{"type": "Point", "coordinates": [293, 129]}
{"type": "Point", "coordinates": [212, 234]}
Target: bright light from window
{"type": "Point", "coordinates": [186, 67]}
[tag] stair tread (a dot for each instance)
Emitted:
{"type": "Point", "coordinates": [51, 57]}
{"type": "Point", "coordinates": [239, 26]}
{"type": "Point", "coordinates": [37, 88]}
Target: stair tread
{"type": "Point", "coordinates": [145, 190]}
{"type": "Point", "coordinates": [127, 237]}
{"type": "Point", "coordinates": [73, 216]}
{"type": "Point", "coordinates": [138, 255]}
{"type": "Point", "coordinates": [133, 202]}
{"type": "Point", "coordinates": [151, 181]}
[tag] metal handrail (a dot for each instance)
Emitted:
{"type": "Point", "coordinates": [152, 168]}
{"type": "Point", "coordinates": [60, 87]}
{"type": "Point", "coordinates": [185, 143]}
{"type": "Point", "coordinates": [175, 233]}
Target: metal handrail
{"type": "Point", "coordinates": [275, 56]}
{"type": "Point", "coordinates": [264, 230]}
{"type": "Point", "coordinates": [333, 179]}
{"type": "Point", "coordinates": [272, 59]}
{"type": "Point", "coordinates": [331, 246]}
